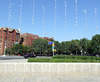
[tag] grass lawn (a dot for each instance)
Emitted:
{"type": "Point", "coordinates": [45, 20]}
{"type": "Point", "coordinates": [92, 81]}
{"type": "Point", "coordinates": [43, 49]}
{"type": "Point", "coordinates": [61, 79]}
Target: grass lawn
{"type": "Point", "coordinates": [63, 58]}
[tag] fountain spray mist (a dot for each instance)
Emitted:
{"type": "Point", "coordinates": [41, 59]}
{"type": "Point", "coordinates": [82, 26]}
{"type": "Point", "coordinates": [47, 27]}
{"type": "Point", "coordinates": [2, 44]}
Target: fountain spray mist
{"type": "Point", "coordinates": [85, 18]}
{"type": "Point", "coordinates": [9, 13]}
{"type": "Point", "coordinates": [55, 12]}
{"type": "Point", "coordinates": [33, 11]}
{"type": "Point", "coordinates": [65, 2]}
{"type": "Point", "coordinates": [43, 8]}
{"type": "Point", "coordinates": [76, 12]}
{"type": "Point", "coordinates": [20, 13]}
{"type": "Point", "coordinates": [96, 18]}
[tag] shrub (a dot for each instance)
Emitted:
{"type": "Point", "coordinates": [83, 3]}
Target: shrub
{"type": "Point", "coordinates": [76, 57]}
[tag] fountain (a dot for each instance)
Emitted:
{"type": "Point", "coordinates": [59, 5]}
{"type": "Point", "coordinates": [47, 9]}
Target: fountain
{"type": "Point", "coordinates": [85, 11]}
{"type": "Point", "coordinates": [65, 12]}
{"type": "Point", "coordinates": [96, 18]}
{"type": "Point", "coordinates": [43, 18]}
{"type": "Point", "coordinates": [20, 13]}
{"type": "Point", "coordinates": [9, 13]}
{"type": "Point", "coordinates": [55, 12]}
{"type": "Point", "coordinates": [76, 12]}
{"type": "Point", "coordinates": [33, 11]}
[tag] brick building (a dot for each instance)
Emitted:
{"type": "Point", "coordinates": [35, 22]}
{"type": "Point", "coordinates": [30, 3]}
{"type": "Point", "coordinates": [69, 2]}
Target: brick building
{"type": "Point", "coordinates": [28, 38]}
{"type": "Point", "coordinates": [8, 37]}
{"type": "Point", "coordinates": [47, 38]}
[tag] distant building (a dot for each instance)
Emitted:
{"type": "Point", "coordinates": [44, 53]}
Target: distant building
{"type": "Point", "coordinates": [47, 38]}
{"type": "Point", "coordinates": [8, 37]}
{"type": "Point", "coordinates": [28, 38]}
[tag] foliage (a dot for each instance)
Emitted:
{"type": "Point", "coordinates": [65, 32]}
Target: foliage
{"type": "Point", "coordinates": [83, 47]}
{"type": "Point", "coordinates": [41, 46]}
{"type": "Point", "coordinates": [76, 57]}
{"type": "Point", "coordinates": [66, 59]}
{"type": "Point", "coordinates": [95, 44]}
{"type": "Point", "coordinates": [18, 49]}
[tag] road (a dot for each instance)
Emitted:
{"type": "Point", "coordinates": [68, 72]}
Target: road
{"type": "Point", "coordinates": [13, 59]}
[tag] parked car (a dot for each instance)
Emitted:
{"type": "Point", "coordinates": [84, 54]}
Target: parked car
{"type": "Point", "coordinates": [29, 56]}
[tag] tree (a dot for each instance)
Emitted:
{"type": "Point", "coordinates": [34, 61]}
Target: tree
{"type": "Point", "coordinates": [57, 47]}
{"type": "Point", "coordinates": [40, 46]}
{"type": "Point", "coordinates": [75, 47]}
{"type": "Point", "coordinates": [18, 49]}
{"type": "Point", "coordinates": [95, 44]}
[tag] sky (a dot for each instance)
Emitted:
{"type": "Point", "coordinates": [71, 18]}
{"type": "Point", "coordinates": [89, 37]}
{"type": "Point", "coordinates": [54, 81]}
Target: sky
{"type": "Point", "coordinates": [44, 20]}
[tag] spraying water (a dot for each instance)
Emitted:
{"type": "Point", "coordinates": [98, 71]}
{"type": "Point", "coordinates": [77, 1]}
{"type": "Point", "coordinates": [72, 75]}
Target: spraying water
{"type": "Point", "coordinates": [20, 12]}
{"type": "Point", "coordinates": [9, 13]}
{"type": "Point", "coordinates": [33, 11]}
{"type": "Point", "coordinates": [96, 18]}
{"type": "Point", "coordinates": [65, 12]}
{"type": "Point", "coordinates": [76, 12]}
{"type": "Point", "coordinates": [43, 17]}
{"type": "Point", "coordinates": [85, 18]}
{"type": "Point", "coordinates": [55, 11]}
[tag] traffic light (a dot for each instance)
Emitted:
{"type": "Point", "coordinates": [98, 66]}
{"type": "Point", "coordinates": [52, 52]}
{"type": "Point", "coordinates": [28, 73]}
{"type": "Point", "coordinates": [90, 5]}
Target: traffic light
{"type": "Point", "coordinates": [21, 41]}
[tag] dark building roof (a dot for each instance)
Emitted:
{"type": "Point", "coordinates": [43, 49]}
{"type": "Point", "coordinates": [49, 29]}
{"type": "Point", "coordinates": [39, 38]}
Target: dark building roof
{"type": "Point", "coordinates": [10, 29]}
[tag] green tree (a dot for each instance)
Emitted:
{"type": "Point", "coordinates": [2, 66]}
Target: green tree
{"type": "Point", "coordinates": [95, 44]}
{"type": "Point", "coordinates": [40, 46]}
{"type": "Point", "coordinates": [75, 47]}
{"type": "Point", "coordinates": [85, 46]}
{"type": "Point", "coordinates": [57, 47]}
{"type": "Point", "coordinates": [18, 49]}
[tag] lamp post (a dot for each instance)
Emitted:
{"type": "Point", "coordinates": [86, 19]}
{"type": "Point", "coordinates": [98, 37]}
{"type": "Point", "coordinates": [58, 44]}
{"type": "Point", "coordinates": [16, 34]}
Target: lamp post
{"type": "Point", "coordinates": [53, 42]}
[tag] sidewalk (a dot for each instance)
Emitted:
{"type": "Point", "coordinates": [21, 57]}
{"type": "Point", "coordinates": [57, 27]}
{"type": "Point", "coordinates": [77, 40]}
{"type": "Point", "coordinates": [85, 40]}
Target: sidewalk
{"type": "Point", "coordinates": [7, 57]}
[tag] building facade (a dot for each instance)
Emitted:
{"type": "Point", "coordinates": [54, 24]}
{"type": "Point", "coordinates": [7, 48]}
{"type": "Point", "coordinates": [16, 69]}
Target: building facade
{"type": "Point", "coordinates": [48, 39]}
{"type": "Point", "coordinates": [28, 38]}
{"type": "Point", "coordinates": [8, 37]}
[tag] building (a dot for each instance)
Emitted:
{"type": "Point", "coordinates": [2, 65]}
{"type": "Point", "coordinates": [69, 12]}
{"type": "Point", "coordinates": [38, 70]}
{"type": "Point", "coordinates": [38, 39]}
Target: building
{"type": "Point", "coordinates": [28, 38]}
{"type": "Point", "coordinates": [48, 39]}
{"type": "Point", "coordinates": [8, 37]}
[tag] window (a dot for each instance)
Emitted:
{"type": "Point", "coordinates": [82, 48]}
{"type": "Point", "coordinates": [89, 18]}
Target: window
{"type": "Point", "coordinates": [6, 36]}
{"type": "Point", "coordinates": [12, 37]}
{"type": "Point", "coordinates": [0, 47]}
{"type": "Point", "coordinates": [16, 37]}
{"type": "Point", "coordinates": [17, 34]}
{"type": "Point", "coordinates": [1, 35]}
{"type": "Point", "coordinates": [13, 33]}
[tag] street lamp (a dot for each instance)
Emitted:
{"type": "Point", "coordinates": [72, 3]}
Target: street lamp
{"type": "Point", "coordinates": [53, 42]}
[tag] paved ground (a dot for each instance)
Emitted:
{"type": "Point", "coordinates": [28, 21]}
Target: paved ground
{"type": "Point", "coordinates": [11, 57]}
{"type": "Point", "coordinates": [14, 61]}
{"type": "Point", "coordinates": [47, 78]}
{"type": "Point", "coordinates": [19, 57]}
